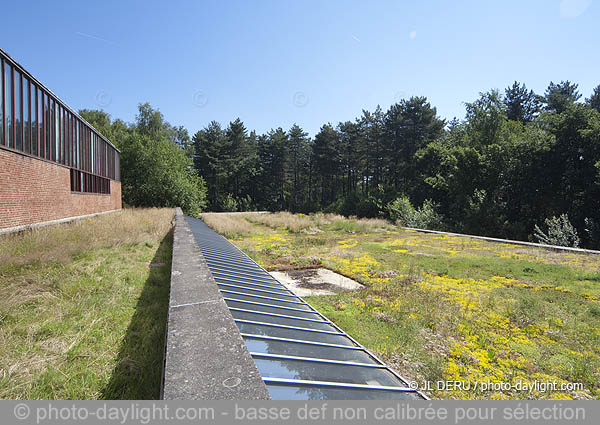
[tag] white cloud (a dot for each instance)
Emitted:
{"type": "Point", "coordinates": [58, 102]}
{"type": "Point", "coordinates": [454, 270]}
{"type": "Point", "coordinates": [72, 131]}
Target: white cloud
{"type": "Point", "coordinates": [573, 8]}
{"type": "Point", "coordinates": [412, 34]}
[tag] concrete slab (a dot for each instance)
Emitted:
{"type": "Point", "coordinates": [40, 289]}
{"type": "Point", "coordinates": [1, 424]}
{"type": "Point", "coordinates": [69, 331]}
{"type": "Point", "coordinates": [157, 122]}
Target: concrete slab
{"type": "Point", "coordinates": [309, 282]}
{"type": "Point", "coordinates": [191, 281]}
{"type": "Point", "coordinates": [205, 359]}
{"type": "Point", "coordinates": [205, 355]}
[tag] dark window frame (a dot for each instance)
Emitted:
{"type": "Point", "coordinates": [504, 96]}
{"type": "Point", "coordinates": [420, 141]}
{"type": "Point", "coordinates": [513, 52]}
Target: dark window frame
{"type": "Point", "coordinates": [48, 129]}
{"type": "Point", "coordinates": [2, 100]}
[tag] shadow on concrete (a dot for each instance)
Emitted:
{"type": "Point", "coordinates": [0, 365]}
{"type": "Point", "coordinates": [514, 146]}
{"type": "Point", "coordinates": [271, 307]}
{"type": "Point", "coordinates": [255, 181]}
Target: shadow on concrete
{"type": "Point", "coordinates": [138, 373]}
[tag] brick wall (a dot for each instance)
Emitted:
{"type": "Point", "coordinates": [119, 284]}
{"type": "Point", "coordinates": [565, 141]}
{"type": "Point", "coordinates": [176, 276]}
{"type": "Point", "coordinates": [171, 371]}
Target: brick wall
{"type": "Point", "coordinates": [33, 191]}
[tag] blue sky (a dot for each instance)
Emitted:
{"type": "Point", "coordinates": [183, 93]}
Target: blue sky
{"type": "Point", "coordinates": [273, 63]}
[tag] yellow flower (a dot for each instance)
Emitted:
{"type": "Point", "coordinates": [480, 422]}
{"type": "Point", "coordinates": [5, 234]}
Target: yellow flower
{"type": "Point", "coordinates": [348, 243]}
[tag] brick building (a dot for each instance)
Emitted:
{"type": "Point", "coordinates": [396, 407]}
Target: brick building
{"type": "Point", "coordinates": [53, 164]}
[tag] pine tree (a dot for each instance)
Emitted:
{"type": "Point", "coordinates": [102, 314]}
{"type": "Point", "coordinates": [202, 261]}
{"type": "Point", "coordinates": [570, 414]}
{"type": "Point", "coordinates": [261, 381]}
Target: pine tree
{"type": "Point", "coordinates": [208, 160]}
{"type": "Point", "coordinates": [297, 164]}
{"type": "Point", "coordinates": [594, 99]}
{"type": "Point", "coordinates": [521, 105]}
{"type": "Point", "coordinates": [560, 96]}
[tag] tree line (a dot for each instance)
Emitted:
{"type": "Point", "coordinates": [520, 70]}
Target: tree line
{"type": "Point", "coordinates": [519, 165]}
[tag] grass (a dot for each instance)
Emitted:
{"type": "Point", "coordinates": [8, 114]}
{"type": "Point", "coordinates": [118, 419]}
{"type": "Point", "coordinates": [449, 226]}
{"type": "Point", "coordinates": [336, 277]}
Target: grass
{"type": "Point", "coordinates": [83, 307]}
{"type": "Point", "coordinates": [227, 224]}
{"type": "Point", "coordinates": [438, 307]}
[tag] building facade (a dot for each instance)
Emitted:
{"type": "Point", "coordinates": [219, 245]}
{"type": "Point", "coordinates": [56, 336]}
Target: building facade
{"type": "Point", "coordinates": [53, 164]}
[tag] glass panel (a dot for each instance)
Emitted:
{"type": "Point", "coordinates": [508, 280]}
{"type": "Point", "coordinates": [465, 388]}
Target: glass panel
{"type": "Point", "coordinates": [87, 150]}
{"type": "Point", "coordinates": [34, 120]}
{"type": "Point", "coordinates": [69, 139]}
{"type": "Point", "coordinates": [306, 350]}
{"type": "Point", "coordinates": [250, 328]}
{"type": "Point", "coordinates": [307, 392]}
{"type": "Point", "coordinates": [276, 310]}
{"type": "Point", "coordinates": [233, 271]}
{"type": "Point", "coordinates": [60, 133]}
{"type": "Point", "coordinates": [65, 137]}
{"type": "Point", "coordinates": [213, 251]}
{"type": "Point", "coordinates": [257, 280]}
{"type": "Point", "coordinates": [92, 152]}
{"type": "Point", "coordinates": [254, 291]}
{"type": "Point", "coordinates": [250, 279]}
{"type": "Point", "coordinates": [251, 285]}
{"type": "Point", "coordinates": [10, 129]}
{"type": "Point", "coordinates": [95, 154]}
{"type": "Point", "coordinates": [83, 147]}
{"type": "Point", "coordinates": [2, 96]}
{"type": "Point", "coordinates": [41, 121]}
{"type": "Point", "coordinates": [55, 131]}
{"type": "Point", "coordinates": [262, 300]}
{"type": "Point", "coordinates": [48, 125]}
{"type": "Point", "coordinates": [226, 254]}
{"type": "Point", "coordinates": [18, 117]}
{"type": "Point", "coordinates": [214, 259]}
{"type": "Point", "coordinates": [77, 144]}
{"type": "Point", "coordinates": [73, 139]}
{"type": "Point", "coordinates": [26, 115]}
{"type": "Point", "coordinates": [322, 326]}
{"type": "Point", "coordinates": [313, 371]}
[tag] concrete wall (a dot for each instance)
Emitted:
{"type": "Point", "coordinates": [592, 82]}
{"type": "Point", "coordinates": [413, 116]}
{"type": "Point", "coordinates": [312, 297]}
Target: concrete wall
{"type": "Point", "coordinates": [205, 355]}
{"type": "Point", "coordinates": [33, 191]}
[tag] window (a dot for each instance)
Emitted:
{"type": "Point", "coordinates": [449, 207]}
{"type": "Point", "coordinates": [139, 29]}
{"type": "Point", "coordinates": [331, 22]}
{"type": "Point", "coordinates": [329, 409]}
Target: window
{"type": "Point", "coordinates": [72, 142]}
{"type": "Point", "coordinates": [69, 139]}
{"type": "Point", "coordinates": [1, 101]}
{"type": "Point", "coordinates": [26, 116]}
{"type": "Point", "coordinates": [88, 183]}
{"type": "Point", "coordinates": [65, 136]}
{"type": "Point", "coordinates": [60, 134]}
{"type": "Point", "coordinates": [8, 103]}
{"type": "Point", "coordinates": [18, 92]}
{"type": "Point", "coordinates": [34, 122]}
{"type": "Point", "coordinates": [41, 122]}
{"type": "Point", "coordinates": [92, 151]}
{"type": "Point", "coordinates": [55, 131]}
{"type": "Point", "coordinates": [47, 121]}
{"type": "Point", "coordinates": [77, 141]}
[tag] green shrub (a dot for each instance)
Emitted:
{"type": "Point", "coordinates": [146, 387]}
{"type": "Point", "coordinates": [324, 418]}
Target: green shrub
{"type": "Point", "coordinates": [228, 203]}
{"type": "Point", "coordinates": [592, 233]}
{"type": "Point", "coordinates": [559, 232]}
{"type": "Point", "coordinates": [156, 173]}
{"type": "Point", "coordinates": [424, 217]}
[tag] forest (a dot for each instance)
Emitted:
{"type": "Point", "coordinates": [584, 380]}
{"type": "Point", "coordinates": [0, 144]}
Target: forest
{"type": "Point", "coordinates": [519, 165]}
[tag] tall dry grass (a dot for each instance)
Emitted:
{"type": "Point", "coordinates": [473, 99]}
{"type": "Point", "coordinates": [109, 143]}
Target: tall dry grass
{"type": "Point", "coordinates": [293, 222]}
{"type": "Point", "coordinates": [76, 297]}
{"type": "Point", "coordinates": [376, 223]}
{"type": "Point", "coordinates": [237, 224]}
{"type": "Point", "coordinates": [228, 224]}
{"type": "Point", "coordinates": [60, 242]}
